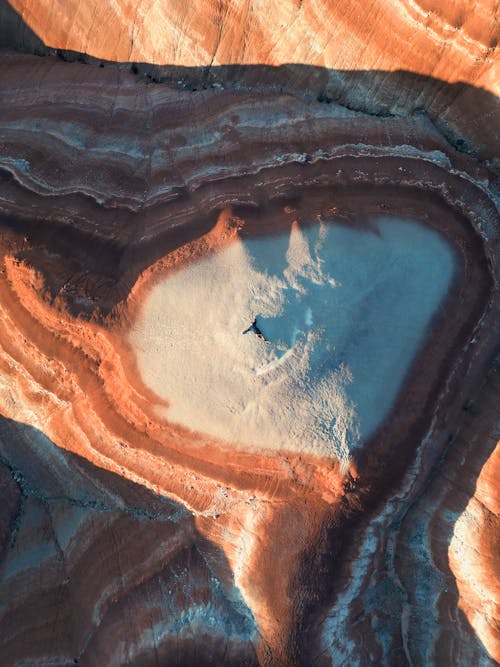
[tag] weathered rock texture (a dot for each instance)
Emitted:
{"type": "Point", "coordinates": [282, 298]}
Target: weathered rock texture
{"type": "Point", "coordinates": [130, 540]}
{"type": "Point", "coordinates": [101, 571]}
{"type": "Point", "coordinates": [433, 565]}
{"type": "Point", "coordinates": [450, 537]}
{"type": "Point", "coordinates": [394, 57]}
{"type": "Point", "coordinates": [446, 40]}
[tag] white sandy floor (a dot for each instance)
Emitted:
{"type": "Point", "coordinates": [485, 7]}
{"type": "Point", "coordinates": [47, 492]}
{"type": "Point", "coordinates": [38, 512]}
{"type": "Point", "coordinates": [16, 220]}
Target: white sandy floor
{"type": "Point", "coordinates": [344, 311]}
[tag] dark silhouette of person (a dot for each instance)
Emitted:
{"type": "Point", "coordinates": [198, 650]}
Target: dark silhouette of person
{"type": "Point", "coordinates": [255, 329]}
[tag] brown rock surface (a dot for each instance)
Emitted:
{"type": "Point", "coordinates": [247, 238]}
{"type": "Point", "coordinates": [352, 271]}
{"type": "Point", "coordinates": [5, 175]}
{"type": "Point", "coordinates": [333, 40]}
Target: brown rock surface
{"type": "Point", "coordinates": [389, 57]}
{"type": "Point", "coordinates": [446, 40]}
{"type": "Point", "coordinates": [102, 571]}
{"type": "Point", "coordinates": [474, 551]}
{"type": "Point", "coordinates": [435, 564]}
{"type": "Point", "coordinates": [131, 540]}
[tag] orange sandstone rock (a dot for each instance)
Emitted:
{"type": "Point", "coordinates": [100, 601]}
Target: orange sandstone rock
{"type": "Point", "coordinates": [166, 541]}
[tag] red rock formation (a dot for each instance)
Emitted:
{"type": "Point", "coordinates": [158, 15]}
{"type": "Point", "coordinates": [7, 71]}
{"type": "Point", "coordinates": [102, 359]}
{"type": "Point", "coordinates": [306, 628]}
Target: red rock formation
{"type": "Point", "coordinates": [431, 562]}
{"type": "Point", "coordinates": [382, 57]}
{"type": "Point", "coordinates": [474, 551]}
{"type": "Point", "coordinates": [446, 40]}
{"type": "Point", "coordinates": [101, 571]}
{"type": "Point", "coordinates": [108, 182]}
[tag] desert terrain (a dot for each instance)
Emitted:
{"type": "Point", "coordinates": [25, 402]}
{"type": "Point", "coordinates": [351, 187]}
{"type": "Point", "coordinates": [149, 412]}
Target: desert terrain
{"type": "Point", "coordinates": [249, 328]}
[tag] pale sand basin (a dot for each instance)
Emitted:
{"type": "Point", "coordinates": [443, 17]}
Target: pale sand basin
{"type": "Point", "coordinates": [344, 312]}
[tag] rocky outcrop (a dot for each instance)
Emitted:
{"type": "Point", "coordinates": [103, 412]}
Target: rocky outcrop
{"type": "Point", "coordinates": [474, 550]}
{"type": "Point", "coordinates": [152, 135]}
{"type": "Point", "coordinates": [396, 57]}
{"type": "Point", "coordinates": [431, 563]}
{"type": "Point", "coordinates": [445, 40]}
{"type": "Point", "coordinates": [108, 183]}
{"type": "Point", "coordinates": [101, 571]}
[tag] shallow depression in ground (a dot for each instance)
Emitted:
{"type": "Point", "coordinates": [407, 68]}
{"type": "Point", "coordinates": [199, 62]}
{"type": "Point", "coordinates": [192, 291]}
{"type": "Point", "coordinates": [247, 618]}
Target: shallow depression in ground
{"type": "Point", "coordinates": [295, 341]}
